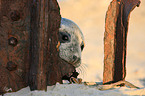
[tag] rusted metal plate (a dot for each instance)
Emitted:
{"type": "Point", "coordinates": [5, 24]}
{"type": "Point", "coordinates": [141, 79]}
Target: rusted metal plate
{"type": "Point", "coordinates": [115, 39]}
{"type": "Point", "coordinates": [14, 45]}
{"type": "Point", "coordinates": [29, 37]}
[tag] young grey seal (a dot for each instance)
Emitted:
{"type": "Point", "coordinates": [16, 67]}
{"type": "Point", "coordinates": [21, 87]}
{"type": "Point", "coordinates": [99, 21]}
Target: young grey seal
{"type": "Point", "coordinates": [71, 42]}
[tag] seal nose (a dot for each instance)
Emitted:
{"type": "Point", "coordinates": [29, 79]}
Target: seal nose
{"type": "Point", "coordinates": [75, 57]}
{"type": "Point", "coordinates": [76, 60]}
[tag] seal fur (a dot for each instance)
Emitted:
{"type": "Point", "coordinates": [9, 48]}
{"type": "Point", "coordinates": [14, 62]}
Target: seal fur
{"type": "Point", "coordinates": [71, 42]}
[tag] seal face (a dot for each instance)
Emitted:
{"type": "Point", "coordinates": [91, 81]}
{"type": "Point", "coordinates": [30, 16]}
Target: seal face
{"type": "Point", "coordinates": [71, 42]}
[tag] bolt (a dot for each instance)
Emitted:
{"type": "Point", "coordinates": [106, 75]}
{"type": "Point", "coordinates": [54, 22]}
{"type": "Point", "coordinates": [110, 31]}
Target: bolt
{"type": "Point", "coordinates": [11, 66]}
{"type": "Point", "coordinates": [13, 41]}
{"type": "Point", "coordinates": [15, 15]}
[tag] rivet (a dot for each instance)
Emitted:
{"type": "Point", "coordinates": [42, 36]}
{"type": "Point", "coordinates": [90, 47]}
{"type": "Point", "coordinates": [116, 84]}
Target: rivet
{"type": "Point", "coordinates": [15, 15]}
{"type": "Point", "coordinates": [12, 41]}
{"type": "Point", "coordinates": [11, 66]}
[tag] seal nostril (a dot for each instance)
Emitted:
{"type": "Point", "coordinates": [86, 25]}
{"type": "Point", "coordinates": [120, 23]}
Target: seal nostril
{"type": "Point", "coordinates": [76, 60]}
{"type": "Point", "coordinates": [74, 57]}
{"type": "Point", "coordinates": [79, 59]}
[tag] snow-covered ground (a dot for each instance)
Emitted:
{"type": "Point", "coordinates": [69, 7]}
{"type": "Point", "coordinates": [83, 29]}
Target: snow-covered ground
{"type": "Point", "coordinates": [77, 90]}
{"type": "Point", "coordinates": [90, 16]}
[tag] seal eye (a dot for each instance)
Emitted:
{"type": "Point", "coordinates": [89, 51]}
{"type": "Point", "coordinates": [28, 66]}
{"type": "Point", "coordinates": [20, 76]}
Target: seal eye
{"type": "Point", "coordinates": [82, 45]}
{"type": "Point", "coordinates": [64, 37]}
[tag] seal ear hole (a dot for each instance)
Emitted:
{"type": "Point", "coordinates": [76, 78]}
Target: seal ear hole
{"type": "Point", "coordinates": [64, 37]}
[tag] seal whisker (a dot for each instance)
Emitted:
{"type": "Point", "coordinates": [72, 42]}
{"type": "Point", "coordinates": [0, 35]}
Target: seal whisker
{"type": "Point", "coordinates": [82, 69]}
{"type": "Point", "coordinates": [79, 70]}
{"type": "Point", "coordinates": [84, 65]}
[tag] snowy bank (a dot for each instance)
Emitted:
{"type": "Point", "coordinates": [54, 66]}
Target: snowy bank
{"type": "Point", "coordinates": [78, 90]}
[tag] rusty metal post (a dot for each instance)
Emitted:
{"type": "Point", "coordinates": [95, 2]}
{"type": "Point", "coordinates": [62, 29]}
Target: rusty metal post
{"type": "Point", "coordinates": [46, 67]}
{"type": "Point", "coordinates": [29, 37]}
{"type": "Point", "coordinates": [115, 39]}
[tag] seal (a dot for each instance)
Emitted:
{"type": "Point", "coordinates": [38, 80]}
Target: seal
{"type": "Point", "coordinates": [71, 42]}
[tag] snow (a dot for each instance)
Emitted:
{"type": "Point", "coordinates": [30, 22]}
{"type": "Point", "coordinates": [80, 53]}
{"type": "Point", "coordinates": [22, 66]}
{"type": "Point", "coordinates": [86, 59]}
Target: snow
{"type": "Point", "coordinates": [90, 16]}
{"type": "Point", "coordinates": [78, 90]}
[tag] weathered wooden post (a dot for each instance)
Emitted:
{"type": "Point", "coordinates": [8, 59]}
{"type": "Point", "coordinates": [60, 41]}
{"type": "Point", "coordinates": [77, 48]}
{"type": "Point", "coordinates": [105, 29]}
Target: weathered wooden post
{"type": "Point", "coordinates": [115, 39]}
{"type": "Point", "coordinates": [29, 45]}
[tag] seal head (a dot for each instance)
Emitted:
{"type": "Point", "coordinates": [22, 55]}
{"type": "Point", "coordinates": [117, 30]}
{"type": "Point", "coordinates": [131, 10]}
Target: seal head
{"type": "Point", "coordinates": [71, 42]}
